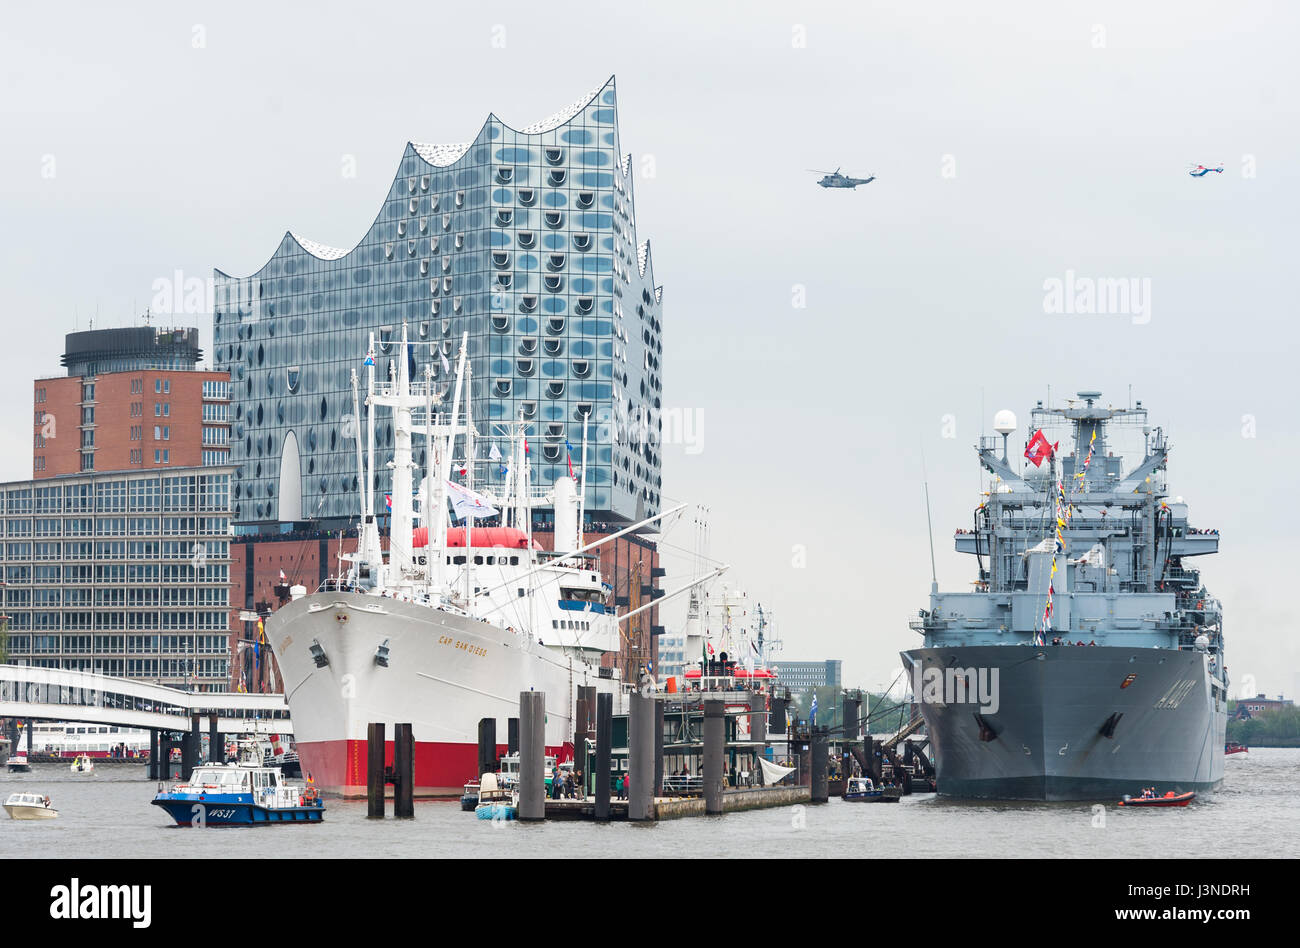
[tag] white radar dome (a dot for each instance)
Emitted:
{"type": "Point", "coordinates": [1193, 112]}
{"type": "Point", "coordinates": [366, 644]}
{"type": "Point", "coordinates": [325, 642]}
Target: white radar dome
{"type": "Point", "coordinates": [1004, 422]}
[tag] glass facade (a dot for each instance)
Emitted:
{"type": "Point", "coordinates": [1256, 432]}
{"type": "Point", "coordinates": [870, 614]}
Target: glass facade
{"type": "Point", "coordinates": [125, 574]}
{"type": "Point", "coordinates": [804, 676]}
{"type": "Point", "coordinates": [526, 240]}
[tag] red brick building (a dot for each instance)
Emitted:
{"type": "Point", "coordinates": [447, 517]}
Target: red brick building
{"type": "Point", "coordinates": [1249, 707]}
{"type": "Point", "coordinates": [133, 400]}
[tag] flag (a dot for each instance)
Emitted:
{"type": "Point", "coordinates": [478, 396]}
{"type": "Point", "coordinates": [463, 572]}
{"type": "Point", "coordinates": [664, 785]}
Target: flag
{"type": "Point", "coordinates": [470, 503]}
{"type": "Point", "coordinates": [446, 366]}
{"type": "Point", "coordinates": [460, 467]}
{"type": "Point", "coordinates": [388, 499]}
{"type": "Point", "coordinates": [370, 358]}
{"type": "Point", "coordinates": [1039, 449]}
{"type": "Point", "coordinates": [812, 712]}
{"type": "Point", "coordinates": [495, 453]}
{"type": "Point", "coordinates": [568, 454]}
{"type": "Point", "coordinates": [526, 448]}
{"type": "Point", "coordinates": [282, 577]}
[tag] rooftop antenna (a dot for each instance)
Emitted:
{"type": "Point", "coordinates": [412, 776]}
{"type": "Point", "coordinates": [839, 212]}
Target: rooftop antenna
{"type": "Point", "coordinates": [934, 576]}
{"type": "Point", "coordinates": [1004, 422]}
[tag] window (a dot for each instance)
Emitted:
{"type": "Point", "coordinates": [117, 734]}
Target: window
{"type": "Point", "coordinates": [157, 433]}
{"type": "Point", "coordinates": [157, 386]}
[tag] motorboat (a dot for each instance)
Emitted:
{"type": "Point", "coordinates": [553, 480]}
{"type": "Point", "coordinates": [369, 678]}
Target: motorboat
{"type": "Point", "coordinates": [469, 799]}
{"type": "Point", "coordinates": [496, 800]}
{"type": "Point", "coordinates": [82, 765]}
{"type": "Point", "coordinates": [1149, 798]}
{"type": "Point", "coordinates": [18, 764]}
{"type": "Point", "coordinates": [30, 806]}
{"type": "Point", "coordinates": [863, 790]}
{"type": "Point", "coordinates": [239, 795]}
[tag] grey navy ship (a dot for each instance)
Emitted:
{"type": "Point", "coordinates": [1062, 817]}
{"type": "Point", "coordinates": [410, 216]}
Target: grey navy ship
{"type": "Point", "coordinates": [1087, 659]}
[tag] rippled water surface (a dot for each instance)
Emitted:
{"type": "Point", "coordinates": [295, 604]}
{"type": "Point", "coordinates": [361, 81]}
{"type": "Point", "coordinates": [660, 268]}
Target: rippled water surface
{"type": "Point", "coordinates": [108, 814]}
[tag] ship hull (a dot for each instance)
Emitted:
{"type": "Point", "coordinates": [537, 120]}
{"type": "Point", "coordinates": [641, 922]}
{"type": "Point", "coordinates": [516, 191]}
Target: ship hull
{"type": "Point", "coordinates": [1073, 722]}
{"type": "Point", "coordinates": [444, 673]}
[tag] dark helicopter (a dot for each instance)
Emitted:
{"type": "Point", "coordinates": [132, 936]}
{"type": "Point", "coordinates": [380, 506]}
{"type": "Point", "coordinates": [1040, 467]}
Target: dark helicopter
{"type": "Point", "coordinates": [833, 179]}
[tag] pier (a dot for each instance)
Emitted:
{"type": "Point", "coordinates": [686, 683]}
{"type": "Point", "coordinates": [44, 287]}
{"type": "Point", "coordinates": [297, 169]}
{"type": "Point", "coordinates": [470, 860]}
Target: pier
{"type": "Point", "coordinates": [710, 741]}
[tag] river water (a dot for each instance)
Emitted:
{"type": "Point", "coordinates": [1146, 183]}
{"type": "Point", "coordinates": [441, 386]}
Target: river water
{"type": "Point", "coordinates": [108, 814]}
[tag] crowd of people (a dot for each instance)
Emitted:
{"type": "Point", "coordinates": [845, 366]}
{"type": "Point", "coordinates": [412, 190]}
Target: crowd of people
{"type": "Point", "coordinates": [565, 785]}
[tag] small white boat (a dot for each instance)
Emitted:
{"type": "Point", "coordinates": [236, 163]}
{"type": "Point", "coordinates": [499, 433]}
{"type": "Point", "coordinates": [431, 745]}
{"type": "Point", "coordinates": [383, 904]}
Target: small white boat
{"type": "Point", "coordinates": [496, 800]}
{"type": "Point", "coordinates": [30, 806]}
{"type": "Point", "coordinates": [83, 765]}
{"type": "Point", "coordinates": [18, 764]}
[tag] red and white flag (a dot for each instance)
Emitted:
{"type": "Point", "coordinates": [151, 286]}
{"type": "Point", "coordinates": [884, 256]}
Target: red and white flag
{"type": "Point", "coordinates": [1040, 449]}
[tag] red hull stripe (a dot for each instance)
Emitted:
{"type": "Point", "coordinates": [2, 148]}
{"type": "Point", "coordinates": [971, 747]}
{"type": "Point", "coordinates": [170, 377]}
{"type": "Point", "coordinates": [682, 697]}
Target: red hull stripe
{"type": "Point", "coordinates": [441, 769]}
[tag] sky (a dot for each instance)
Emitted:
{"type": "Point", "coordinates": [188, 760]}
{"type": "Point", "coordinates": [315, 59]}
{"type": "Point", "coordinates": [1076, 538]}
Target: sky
{"type": "Point", "coordinates": [832, 349]}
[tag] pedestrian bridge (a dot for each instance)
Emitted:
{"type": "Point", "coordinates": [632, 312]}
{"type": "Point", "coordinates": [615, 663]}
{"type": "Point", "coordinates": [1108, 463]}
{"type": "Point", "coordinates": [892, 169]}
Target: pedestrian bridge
{"type": "Point", "coordinates": [54, 695]}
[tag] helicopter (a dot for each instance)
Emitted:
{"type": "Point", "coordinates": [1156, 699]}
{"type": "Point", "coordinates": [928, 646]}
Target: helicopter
{"type": "Point", "coordinates": [833, 179]}
{"type": "Point", "coordinates": [1200, 171]}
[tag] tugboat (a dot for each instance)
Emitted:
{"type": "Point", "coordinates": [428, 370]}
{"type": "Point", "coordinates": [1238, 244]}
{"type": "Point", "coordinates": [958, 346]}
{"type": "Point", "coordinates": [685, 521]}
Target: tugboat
{"type": "Point", "coordinates": [862, 790]}
{"type": "Point", "coordinates": [239, 795]}
{"type": "Point", "coordinates": [1149, 798]}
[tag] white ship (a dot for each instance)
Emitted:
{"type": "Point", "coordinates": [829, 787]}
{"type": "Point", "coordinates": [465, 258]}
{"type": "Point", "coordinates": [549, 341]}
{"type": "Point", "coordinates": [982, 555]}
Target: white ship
{"type": "Point", "coordinates": [74, 739]}
{"type": "Point", "coordinates": [454, 622]}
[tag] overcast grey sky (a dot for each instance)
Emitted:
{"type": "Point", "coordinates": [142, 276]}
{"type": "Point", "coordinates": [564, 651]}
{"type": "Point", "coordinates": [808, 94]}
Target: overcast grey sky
{"type": "Point", "coordinates": [1013, 143]}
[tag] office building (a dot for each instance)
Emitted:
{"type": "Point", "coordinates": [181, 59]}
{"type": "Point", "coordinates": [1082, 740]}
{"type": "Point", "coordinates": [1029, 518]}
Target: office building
{"type": "Point", "coordinates": [121, 573]}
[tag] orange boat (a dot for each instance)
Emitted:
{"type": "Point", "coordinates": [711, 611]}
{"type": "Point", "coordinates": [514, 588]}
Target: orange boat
{"type": "Point", "coordinates": [1169, 799]}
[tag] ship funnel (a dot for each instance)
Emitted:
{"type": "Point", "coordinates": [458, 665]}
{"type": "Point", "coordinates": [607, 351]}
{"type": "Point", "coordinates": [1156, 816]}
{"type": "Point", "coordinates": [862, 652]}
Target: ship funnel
{"type": "Point", "coordinates": [566, 515]}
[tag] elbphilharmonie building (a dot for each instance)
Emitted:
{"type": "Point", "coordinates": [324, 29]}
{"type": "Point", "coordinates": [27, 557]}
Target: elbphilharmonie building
{"type": "Point", "coordinates": [524, 238]}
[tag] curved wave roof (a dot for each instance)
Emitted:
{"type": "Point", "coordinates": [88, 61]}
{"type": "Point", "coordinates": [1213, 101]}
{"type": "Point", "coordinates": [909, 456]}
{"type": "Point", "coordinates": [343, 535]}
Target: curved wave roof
{"type": "Point", "coordinates": [445, 155]}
